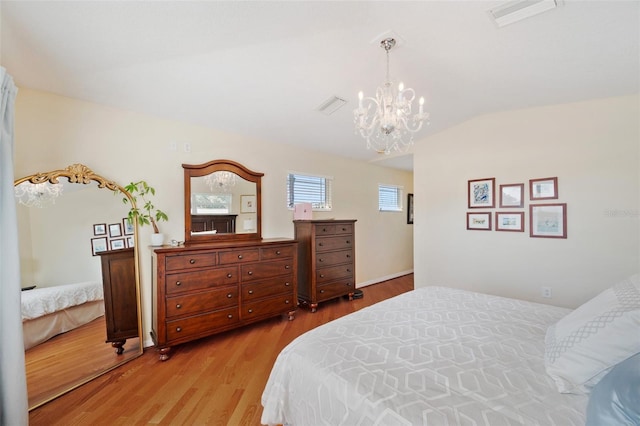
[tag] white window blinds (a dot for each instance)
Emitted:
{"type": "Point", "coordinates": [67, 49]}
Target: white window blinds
{"type": "Point", "coordinates": [389, 198]}
{"type": "Point", "coordinates": [309, 189]}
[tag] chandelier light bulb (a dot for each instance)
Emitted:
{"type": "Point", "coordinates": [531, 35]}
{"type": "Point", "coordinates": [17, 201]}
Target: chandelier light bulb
{"type": "Point", "coordinates": [386, 121]}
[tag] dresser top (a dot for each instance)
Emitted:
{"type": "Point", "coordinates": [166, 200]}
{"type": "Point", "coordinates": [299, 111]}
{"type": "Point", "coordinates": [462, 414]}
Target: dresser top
{"type": "Point", "coordinates": [224, 245]}
{"type": "Point", "coordinates": [326, 221]}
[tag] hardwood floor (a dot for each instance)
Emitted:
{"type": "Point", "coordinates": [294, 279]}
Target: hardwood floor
{"type": "Point", "coordinates": [214, 381]}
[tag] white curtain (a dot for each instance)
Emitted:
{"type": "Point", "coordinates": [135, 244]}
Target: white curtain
{"type": "Point", "coordinates": [13, 393]}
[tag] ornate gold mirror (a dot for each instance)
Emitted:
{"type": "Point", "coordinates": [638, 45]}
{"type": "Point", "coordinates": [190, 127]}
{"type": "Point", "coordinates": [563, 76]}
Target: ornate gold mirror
{"type": "Point", "coordinates": [80, 279]}
{"type": "Point", "coordinates": [222, 202]}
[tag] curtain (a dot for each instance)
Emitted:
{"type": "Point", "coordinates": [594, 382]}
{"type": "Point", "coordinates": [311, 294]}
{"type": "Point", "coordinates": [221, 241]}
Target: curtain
{"type": "Point", "coordinates": [13, 382]}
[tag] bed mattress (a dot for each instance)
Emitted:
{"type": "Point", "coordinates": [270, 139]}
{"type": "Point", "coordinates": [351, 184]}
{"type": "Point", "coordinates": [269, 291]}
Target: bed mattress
{"type": "Point", "coordinates": [433, 356]}
{"type": "Point", "coordinates": [47, 300]}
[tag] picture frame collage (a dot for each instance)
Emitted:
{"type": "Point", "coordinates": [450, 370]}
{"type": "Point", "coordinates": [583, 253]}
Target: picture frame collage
{"type": "Point", "coordinates": [546, 220]}
{"type": "Point", "coordinates": [114, 236]}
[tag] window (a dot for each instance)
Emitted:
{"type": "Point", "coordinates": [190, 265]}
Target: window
{"type": "Point", "coordinates": [309, 189]}
{"type": "Point", "coordinates": [211, 203]}
{"type": "Point", "coordinates": [389, 198]}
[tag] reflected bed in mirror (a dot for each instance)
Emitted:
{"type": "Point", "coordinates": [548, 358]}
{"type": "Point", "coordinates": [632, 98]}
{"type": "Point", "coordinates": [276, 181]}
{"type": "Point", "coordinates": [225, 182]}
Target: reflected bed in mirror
{"type": "Point", "coordinates": [80, 298]}
{"type": "Point", "coordinates": [222, 202]}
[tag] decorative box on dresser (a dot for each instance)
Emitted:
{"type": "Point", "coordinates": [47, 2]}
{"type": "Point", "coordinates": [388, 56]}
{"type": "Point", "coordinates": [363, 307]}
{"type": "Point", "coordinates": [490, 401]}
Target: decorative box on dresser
{"type": "Point", "coordinates": [204, 289]}
{"type": "Point", "coordinates": [120, 299]}
{"type": "Point", "coordinates": [326, 256]}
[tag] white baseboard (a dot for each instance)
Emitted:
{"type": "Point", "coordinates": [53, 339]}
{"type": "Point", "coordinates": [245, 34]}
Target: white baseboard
{"type": "Point", "coordinates": [385, 278]}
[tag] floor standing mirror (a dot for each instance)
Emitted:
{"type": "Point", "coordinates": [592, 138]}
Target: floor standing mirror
{"type": "Point", "coordinates": [80, 279]}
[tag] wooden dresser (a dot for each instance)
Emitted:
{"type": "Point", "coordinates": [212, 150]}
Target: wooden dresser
{"type": "Point", "coordinates": [326, 256]}
{"type": "Point", "coordinates": [120, 301]}
{"type": "Point", "coordinates": [204, 289]}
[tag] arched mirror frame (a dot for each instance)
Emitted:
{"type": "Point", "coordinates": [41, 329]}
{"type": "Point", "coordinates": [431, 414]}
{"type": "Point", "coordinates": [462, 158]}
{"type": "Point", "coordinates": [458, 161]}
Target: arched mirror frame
{"type": "Point", "coordinates": [199, 170]}
{"type": "Point", "coordinates": [83, 175]}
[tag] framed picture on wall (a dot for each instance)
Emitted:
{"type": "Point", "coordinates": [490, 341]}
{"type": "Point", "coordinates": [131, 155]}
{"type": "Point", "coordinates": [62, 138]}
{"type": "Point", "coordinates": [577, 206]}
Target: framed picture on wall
{"type": "Point", "coordinates": [512, 195]}
{"type": "Point", "coordinates": [117, 244]}
{"type": "Point", "coordinates": [481, 193]}
{"type": "Point", "coordinates": [98, 245]}
{"type": "Point", "coordinates": [410, 209]}
{"type": "Point", "coordinates": [479, 221]}
{"type": "Point", "coordinates": [130, 242]}
{"type": "Point", "coordinates": [128, 227]}
{"type": "Point", "coordinates": [115, 230]}
{"type": "Point", "coordinates": [543, 189]}
{"type": "Point", "coordinates": [100, 229]}
{"type": "Point", "coordinates": [248, 204]}
{"type": "Point", "coordinates": [510, 221]}
{"type": "Point", "coordinates": [548, 220]}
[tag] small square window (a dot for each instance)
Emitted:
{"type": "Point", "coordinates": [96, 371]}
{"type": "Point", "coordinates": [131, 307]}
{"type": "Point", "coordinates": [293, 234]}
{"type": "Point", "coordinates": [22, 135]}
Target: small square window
{"type": "Point", "coordinates": [309, 189]}
{"type": "Point", "coordinates": [389, 198]}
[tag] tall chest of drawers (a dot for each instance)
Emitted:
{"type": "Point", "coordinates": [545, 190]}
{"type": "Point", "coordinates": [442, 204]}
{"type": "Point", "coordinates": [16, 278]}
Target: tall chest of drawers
{"type": "Point", "coordinates": [326, 256]}
{"type": "Point", "coordinates": [206, 289]}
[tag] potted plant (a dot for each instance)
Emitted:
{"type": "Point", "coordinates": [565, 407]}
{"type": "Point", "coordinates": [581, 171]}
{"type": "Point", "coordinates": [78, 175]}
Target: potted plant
{"type": "Point", "coordinates": [145, 212]}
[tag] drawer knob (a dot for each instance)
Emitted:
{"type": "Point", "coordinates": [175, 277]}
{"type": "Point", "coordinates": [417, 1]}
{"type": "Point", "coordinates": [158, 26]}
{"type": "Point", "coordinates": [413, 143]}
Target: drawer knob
{"type": "Point", "coordinates": [178, 283]}
{"type": "Point", "coordinates": [192, 261]}
{"type": "Point", "coordinates": [324, 229]}
{"type": "Point", "coordinates": [287, 302]}
{"type": "Point", "coordinates": [250, 311]}
{"type": "Point", "coordinates": [250, 272]}
{"type": "Point", "coordinates": [229, 316]}
{"type": "Point", "coordinates": [320, 260]}
{"type": "Point", "coordinates": [321, 275]}
{"type": "Point", "coordinates": [229, 296]}
{"type": "Point", "coordinates": [348, 256]}
{"type": "Point", "coordinates": [250, 291]}
{"type": "Point", "coordinates": [178, 329]}
{"type": "Point", "coordinates": [320, 244]}
{"type": "Point", "coordinates": [278, 252]}
{"type": "Point", "coordinates": [229, 275]}
{"type": "Point", "coordinates": [321, 291]}
{"type": "Point", "coordinates": [344, 229]}
{"type": "Point", "coordinates": [287, 284]}
{"type": "Point", "coordinates": [178, 306]}
{"type": "Point", "coordinates": [287, 266]}
{"type": "Point", "coordinates": [348, 284]}
{"type": "Point", "coordinates": [239, 256]}
{"type": "Point", "coordinates": [348, 270]}
{"type": "Point", "coordinates": [348, 242]}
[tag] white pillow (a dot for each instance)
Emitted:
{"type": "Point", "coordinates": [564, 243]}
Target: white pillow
{"type": "Point", "coordinates": [584, 345]}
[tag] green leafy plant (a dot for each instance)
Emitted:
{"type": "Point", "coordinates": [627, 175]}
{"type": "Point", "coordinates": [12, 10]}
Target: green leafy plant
{"type": "Point", "coordinates": [145, 212]}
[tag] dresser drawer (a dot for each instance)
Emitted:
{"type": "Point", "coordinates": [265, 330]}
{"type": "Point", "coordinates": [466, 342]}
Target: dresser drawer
{"type": "Point", "coordinates": [334, 243]}
{"type": "Point", "coordinates": [266, 288]}
{"type": "Point", "coordinates": [188, 281]}
{"type": "Point", "coordinates": [239, 256]}
{"type": "Point", "coordinates": [324, 275]}
{"type": "Point", "coordinates": [193, 303]}
{"type": "Point", "coordinates": [268, 307]}
{"type": "Point", "coordinates": [276, 252]}
{"type": "Point", "coordinates": [258, 271]}
{"type": "Point", "coordinates": [201, 324]}
{"type": "Point", "coordinates": [344, 228]}
{"type": "Point", "coordinates": [330, 258]}
{"type": "Point", "coordinates": [324, 229]}
{"type": "Point", "coordinates": [190, 261]}
{"type": "Point", "coordinates": [335, 289]}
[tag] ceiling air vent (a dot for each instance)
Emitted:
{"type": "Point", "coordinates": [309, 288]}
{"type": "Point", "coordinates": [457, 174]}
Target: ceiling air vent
{"type": "Point", "coordinates": [515, 11]}
{"type": "Point", "coordinates": [331, 105]}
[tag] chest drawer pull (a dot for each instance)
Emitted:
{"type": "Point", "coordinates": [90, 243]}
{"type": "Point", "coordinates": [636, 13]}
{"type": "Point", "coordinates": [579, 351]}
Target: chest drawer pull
{"type": "Point", "coordinates": [250, 311]}
{"type": "Point", "coordinates": [178, 329]}
{"type": "Point", "coordinates": [178, 283]}
{"type": "Point", "coordinates": [178, 306]}
{"type": "Point", "coordinates": [348, 270]}
{"type": "Point", "coordinates": [348, 241]}
{"type": "Point", "coordinates": [250, 272]}
{"type": "Point", "coordinates": [230, 316]}
{"type": "Point", "coordinates": [278, 252]}
{"type": "Point", "coordinates": [348, 284]}
{"type": "Point", "coordinates": [321, 291]}
{"type": "Point", "coordinates": [320, 260]}
{"type": "Point", "coordinates": [229, 275]}
{"type": "Point", "coordinates": [287, 266]}
{"type": "Point", "coordinates": [286, 302]}
{"type": "Point", "coordinates": [287, 284]}
{"type": "Point", "coordinates": [321, 275]}
{"type": "Point", "coordinates": [348, 256]}
{"type": "Point", "coordinates": [239, 256]}
{"type": "Point", "coordinates": [229, 296]}
{"type": "Point", "coordinates": [250, 291]}
{"type": "Point", "coordinates": [344, 229]}
{"type": "Point", "coordinates": [192, 261]}
{"type": "Point", "coordinates": [320, 244]}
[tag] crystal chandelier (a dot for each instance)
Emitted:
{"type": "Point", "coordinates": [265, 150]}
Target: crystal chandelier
{"type": "Point", "coordinates": [386, 121]}
{"type": "Point", "coordinates": [220, 181]}
{"type": "Point", "coordinates": [37, 194]}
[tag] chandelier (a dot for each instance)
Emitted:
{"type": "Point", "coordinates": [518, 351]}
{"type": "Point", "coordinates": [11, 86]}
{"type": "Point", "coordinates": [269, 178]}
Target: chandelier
{"type": "Point", "coordinates": [386, 121]}
{"type": "Point", "coordinates": [37, 194]}
{"type": "Point", "coordinates": [220, 181]}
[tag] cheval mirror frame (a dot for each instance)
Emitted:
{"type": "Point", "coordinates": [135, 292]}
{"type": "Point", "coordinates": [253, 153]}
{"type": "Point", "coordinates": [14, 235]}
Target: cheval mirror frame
{"type": "Point", "coordinates": [81, 174]}
{"type": "Point", "coordinates": [200, 170]}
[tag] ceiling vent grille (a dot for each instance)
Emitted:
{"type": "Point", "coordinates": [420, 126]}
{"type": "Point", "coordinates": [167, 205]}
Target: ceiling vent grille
{"type": "Point", "coordinates": [331, 105]}
{"type": "Point", "coordinates": [518, 10]}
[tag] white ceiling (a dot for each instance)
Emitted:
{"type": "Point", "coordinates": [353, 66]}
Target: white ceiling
{"type": "Point", "coordinates": [261, 68]}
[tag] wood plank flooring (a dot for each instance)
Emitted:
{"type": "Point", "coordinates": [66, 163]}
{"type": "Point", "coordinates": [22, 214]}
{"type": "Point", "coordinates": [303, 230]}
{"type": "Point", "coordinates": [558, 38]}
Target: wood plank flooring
{"type": "Point", "coordinates": [213, 381]}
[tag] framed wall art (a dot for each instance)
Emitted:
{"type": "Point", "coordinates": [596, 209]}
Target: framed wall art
{"type": "Point", "coordinates": [512, 195]}
{"type": "Point", "coordinates": [98, 245]}
{"type": "Point", "coordinates": [410, 209]}
{"type": "Point", "coordinates": [510, 221]}
{"type": "Point", "coordinates": [100, 229]}
{"type": "Point", "coordinates": [548, 220]}
{"type": "Point", "coordinates": [479, 221]}
{"type": "Point", "coordinates": [247, 204]}
{"type": "Point", "coordinates": [481, 193]}
{"type": "Point", "coordinates": [117, 244]}
{"type": "Point", "coordinates": [543, 189]}
{"type": "Point", "coordinates": [115, 230]}
{"type": "Point", "coordinates": [128, 227]}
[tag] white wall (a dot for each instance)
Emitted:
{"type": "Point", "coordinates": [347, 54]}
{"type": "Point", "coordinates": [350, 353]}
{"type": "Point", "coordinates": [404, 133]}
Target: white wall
{"type": "Point", "coordinates": [593, 149]}
{"type": "Point", "coordinates": [53, 132]}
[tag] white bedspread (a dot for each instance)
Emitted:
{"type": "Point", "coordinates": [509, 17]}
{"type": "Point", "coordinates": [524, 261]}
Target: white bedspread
{"type": "Point", "coordinates": [46, 300]}
{"type": "Point", "coordinates": [433, 356]}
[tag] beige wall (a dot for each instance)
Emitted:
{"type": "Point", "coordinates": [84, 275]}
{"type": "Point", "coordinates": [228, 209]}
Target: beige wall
{"type": "Point", "coordinates": [53, 132]}
{"type": "Point", "coordinates": [593, 149]}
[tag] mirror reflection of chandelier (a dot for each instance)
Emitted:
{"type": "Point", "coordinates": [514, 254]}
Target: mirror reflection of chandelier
{"type": "Point", "coordinates": [220, 181]}
{"type": "Point", "coordinates": [386, 121]}
{"type": "Point", "coordinates": [37, 194]}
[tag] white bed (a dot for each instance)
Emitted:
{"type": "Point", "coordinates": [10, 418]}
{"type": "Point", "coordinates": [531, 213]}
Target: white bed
{"type": "Point", "coordinates": [49, 311]}
{"type": "Point", "coordinates": [433, 356]}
